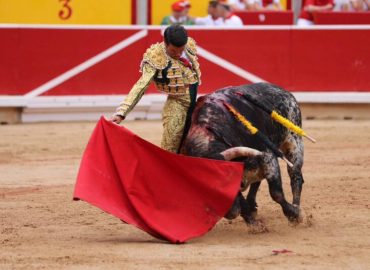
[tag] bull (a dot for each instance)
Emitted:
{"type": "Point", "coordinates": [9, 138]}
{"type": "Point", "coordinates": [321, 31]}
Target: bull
{"type": "Point", "coordinates": [215, 133]}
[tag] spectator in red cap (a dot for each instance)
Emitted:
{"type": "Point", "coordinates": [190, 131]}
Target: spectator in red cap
{"type": "Point", "coordinates": [188, 19]}
{"type": "Point", "coordinates": [186, 3]}
{"type": "Point", "coordinates": [180, 10]}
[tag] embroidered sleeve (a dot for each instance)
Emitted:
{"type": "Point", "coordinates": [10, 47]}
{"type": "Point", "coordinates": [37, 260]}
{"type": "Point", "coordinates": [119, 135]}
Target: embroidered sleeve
{"type": "Point", "coordinates": [192, 53]}
{"type": "Point", "coordinates": [137, 91]}
{"type": "Point", "coordinates": [191, 46]}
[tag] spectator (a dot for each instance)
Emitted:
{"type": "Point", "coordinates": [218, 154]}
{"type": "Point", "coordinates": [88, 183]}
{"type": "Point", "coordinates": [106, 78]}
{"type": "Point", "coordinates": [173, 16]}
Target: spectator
{"type": "Point", "coordinates": [180, 10]}
{"type": "Point", "coordinates": [237, 5]}
{"type": "Point", "coordinates": [360, 5]}
{"type": "Point", "coordinates": [264, 5]}
{"type": "Point", "coordinates": [310, 7]}
{"type": "Point", "coordinates": [367, 4]}
{"type": "Point", "coordinates": [187, 5]}
{"type": "Point", "coordinates": [350, 5]}
{"type": "Point", "coordinates": [229, 19]}
{"type": "Point", "coordinates": [213, 18]}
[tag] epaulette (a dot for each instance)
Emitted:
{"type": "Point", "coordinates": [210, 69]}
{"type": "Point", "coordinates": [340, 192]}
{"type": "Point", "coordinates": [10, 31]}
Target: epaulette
{"type": "Point", "coordinates": [191, 46]}
{"type": "Point", "coordinates": [156, 56]}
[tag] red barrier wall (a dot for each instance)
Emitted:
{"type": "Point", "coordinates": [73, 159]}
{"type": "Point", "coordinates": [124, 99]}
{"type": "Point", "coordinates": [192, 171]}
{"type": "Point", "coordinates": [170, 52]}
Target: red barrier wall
{"type": "Point", "coordinates": [266, 17]}
{"type": "Point", "coordinates": [314, 59]}
{"type": "Point", "coordinates": [340, 17]}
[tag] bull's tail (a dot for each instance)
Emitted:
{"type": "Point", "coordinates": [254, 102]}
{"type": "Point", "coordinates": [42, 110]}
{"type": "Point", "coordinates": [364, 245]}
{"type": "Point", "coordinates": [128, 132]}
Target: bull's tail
{"type": "Point", "coordinates": [240, 151]}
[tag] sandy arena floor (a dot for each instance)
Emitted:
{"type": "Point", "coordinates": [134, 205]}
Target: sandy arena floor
{"type": "Point", "coordinates": [42, 228]}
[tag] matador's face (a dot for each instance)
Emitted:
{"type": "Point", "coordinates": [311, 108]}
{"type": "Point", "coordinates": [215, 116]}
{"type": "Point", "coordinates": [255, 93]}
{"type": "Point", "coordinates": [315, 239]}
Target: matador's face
{"type": "Point", "coordinates": [173, 51]}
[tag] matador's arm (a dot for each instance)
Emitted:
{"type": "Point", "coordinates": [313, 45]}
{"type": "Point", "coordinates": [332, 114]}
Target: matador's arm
{"type": "Point", "coordinates": [137, 91]}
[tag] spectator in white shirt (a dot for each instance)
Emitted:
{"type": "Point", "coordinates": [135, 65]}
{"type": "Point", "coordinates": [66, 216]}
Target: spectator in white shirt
{"type": "Point", "coordinates": [238, 5]}
{"type": "Point", "coordinates": [229, 19]}
{"type": "Point", "coordinates": [264, 5]}
{"type": "Point", "coordinates": [213, 18]}
{"type": "Point", "coordinates": [367, 4]}
{"type": "Point", "coordinates": [350, 5]}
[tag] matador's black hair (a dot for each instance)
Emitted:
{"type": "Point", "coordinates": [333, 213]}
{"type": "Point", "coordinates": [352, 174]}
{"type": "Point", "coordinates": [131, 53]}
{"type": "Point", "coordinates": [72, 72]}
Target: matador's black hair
{"type": "Point", "coordinates": [176, 35]}
{"type": "Point", "coordinates": [213, 3]}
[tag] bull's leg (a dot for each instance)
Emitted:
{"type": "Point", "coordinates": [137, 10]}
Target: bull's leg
{"type": "Point", "coordinates": [293, 150]}
{"type": "Point", "coordinates": [249, 205]}
{"type": "Point", "coordinates": [296, 182]}
{"type": "Point", "coordinates": [235, 209]}
{"type": "Point", "coordinates": [273, 177]}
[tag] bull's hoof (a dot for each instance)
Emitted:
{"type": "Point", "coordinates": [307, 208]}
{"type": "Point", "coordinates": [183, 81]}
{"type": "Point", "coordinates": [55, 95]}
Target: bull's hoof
{"type": "Point", "coordinates": [231, 215]}
{"type": "Point", "coordinates": [250, 217]}
{"type": "Point", "coordinates": [249, 212]}
{"type": "Point", "coordinates": [295, 221]}
{"type": "Point", "coordinates": [257, 227]}
{"type": "Point", "coordinates": [235, 209]}
{"type": "Point", "coordinates": [292, 212]}
{"type": "Point", "coordinates": [233, 212]}
{"type": "Point", "coordinates": [303, 218]}
{"type": "Point", "coordinates": [296, 216]}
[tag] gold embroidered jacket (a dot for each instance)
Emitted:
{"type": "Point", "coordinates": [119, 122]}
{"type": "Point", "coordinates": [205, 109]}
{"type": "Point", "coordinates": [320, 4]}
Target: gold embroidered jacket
{"type": "Point", "coordinates": [171, 76]}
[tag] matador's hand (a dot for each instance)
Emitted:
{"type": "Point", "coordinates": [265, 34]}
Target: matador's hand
{"type": "Point", "coordinates": [117, 118]}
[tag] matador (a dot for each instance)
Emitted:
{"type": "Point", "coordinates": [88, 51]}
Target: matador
{"type": "Point", "coordinates": [174, 68]}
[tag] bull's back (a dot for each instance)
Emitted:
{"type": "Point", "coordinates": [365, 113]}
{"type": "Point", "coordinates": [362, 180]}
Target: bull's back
{"type": "Point", "coordinates": [271, 96]}
{"type": "Point", "coordinates": [211, 115]}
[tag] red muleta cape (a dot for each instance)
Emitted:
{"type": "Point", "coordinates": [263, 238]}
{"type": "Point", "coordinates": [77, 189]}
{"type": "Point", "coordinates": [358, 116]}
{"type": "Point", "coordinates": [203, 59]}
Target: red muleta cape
{"type": "Point", "coordinates": [170, 196]}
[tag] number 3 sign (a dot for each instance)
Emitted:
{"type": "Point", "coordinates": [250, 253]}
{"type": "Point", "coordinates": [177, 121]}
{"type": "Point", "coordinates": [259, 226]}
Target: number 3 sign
{"type": "Point", "coordinates": [66, 12]}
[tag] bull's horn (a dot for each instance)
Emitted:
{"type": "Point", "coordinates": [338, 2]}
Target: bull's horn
{"type": "Point", "coordinates": [240, 151]}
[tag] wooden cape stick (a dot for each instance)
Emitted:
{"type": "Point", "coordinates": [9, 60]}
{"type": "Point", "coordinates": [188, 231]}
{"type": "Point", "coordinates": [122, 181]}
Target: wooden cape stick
{"type": "Point", "coordinates": [254, 131]}
{"type": "Point", "coordinates": [277, 117]}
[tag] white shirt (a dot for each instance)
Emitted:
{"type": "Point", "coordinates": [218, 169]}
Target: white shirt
{"type": "Point", "coordinates": [259, 2]}
{"type": "Point", "coordinates": [339, 3]}
{"type": "Point", "coordinates": [209, 21]}
{"type": "Point", "coordinates": [233, 21]}
{"type": "Point", "coordinates": [237, 4]}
